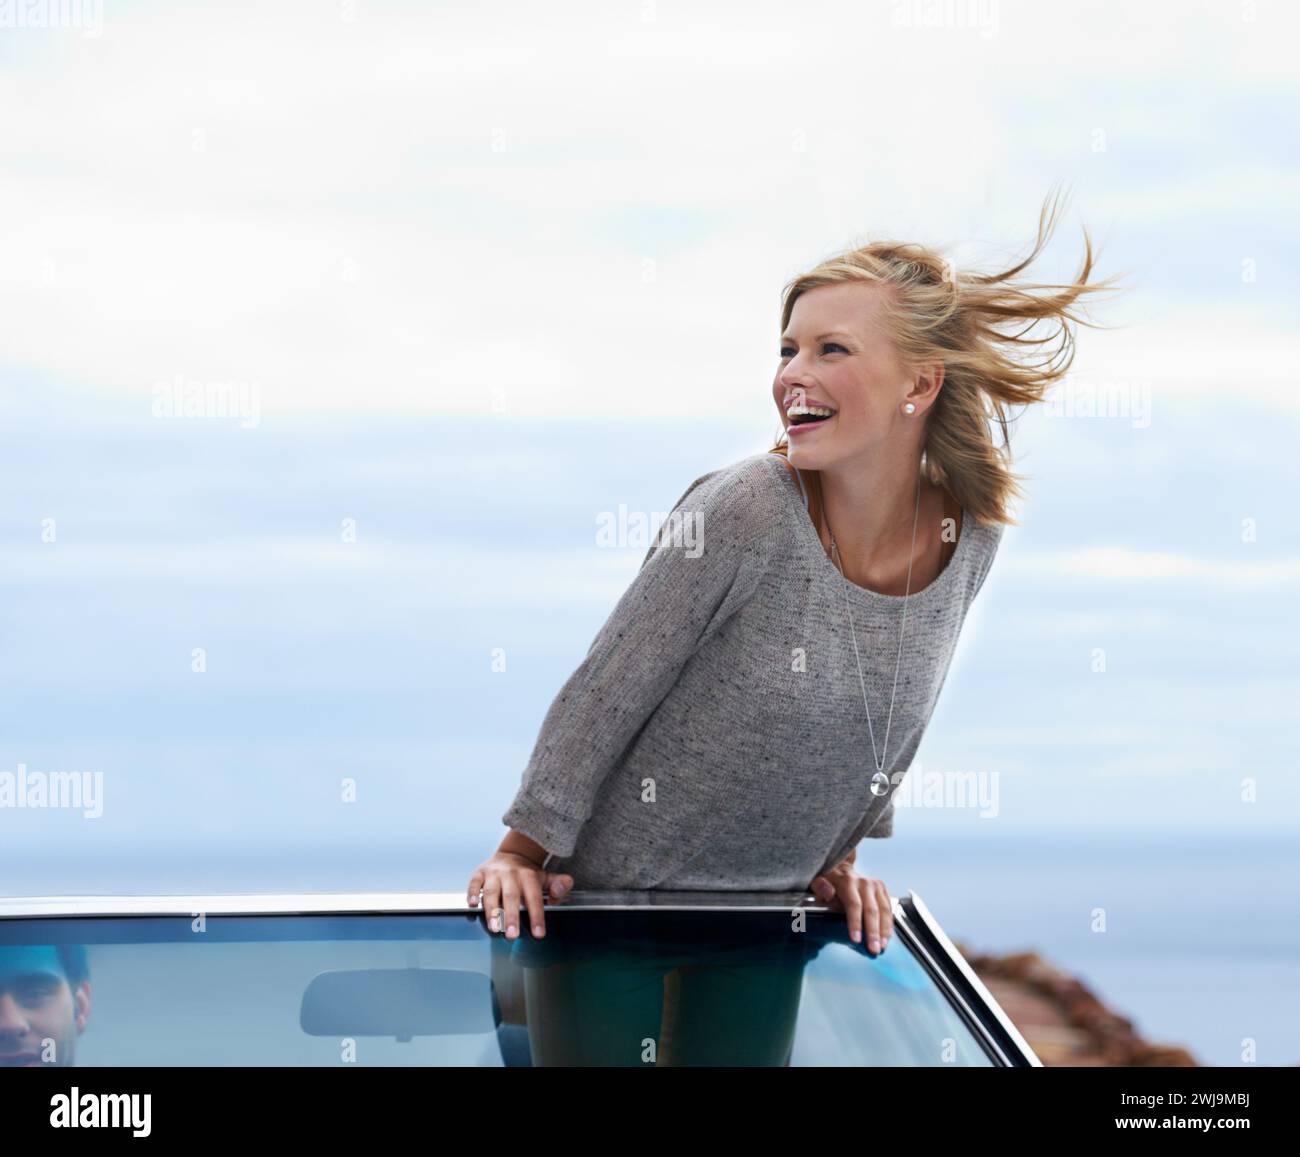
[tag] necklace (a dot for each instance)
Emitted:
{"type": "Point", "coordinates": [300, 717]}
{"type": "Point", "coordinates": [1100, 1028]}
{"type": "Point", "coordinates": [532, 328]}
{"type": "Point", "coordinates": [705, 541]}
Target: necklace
{"type": "Point", "coordinates": [879, 781]}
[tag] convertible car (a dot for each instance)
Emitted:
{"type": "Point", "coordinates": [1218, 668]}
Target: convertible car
{"type": "Point", "coordinates": [620, 978]}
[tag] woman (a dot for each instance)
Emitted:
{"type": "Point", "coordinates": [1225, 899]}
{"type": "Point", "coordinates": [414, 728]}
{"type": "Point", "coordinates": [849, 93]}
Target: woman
{"type": "Point", "coordinates": [745, 715]}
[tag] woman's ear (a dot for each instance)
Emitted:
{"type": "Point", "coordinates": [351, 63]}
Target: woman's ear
{"type": "Point", "coordinates": [926, 384]}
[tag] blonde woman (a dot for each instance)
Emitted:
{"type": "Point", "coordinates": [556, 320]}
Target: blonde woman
{"type": "Point", "coordinates": [745, 715]}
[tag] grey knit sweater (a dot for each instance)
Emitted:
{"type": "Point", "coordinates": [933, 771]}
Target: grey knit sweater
{"type": "Point", "coordinates": [714, 736]}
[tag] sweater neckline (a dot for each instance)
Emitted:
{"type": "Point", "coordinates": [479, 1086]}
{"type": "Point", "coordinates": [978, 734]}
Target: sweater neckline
{"type": "Point", "coordinates": [808, 533]}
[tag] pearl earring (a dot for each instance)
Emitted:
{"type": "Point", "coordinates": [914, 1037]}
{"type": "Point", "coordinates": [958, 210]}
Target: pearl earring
{"type": "Point", "coordinates": [909, 408]}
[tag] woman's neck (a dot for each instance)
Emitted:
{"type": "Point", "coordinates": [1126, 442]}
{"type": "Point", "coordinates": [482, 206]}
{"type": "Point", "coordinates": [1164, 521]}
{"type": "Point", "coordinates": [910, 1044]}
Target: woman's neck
{"type": "Point", "coordinates": [873, 517]}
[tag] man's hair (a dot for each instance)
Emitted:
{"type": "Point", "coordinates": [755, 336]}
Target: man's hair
{"type": "Point", "coordinates": [75, 963]}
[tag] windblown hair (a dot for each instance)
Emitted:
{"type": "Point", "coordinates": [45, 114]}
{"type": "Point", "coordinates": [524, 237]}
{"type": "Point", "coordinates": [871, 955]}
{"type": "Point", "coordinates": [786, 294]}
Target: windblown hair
{"type": "Point", "coordinates": [980, 327]}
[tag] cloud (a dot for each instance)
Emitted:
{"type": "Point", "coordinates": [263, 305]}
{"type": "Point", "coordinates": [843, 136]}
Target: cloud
{"type": "Point", "coordinates": [402, 208]}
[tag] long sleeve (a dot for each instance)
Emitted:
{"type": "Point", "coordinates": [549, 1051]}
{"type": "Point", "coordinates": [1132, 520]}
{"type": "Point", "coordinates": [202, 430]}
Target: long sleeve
{"type": "Point", "coordinates": [704, 565]}
{"type": "Point", "coordinates": [884, 826]}
{"type": "Point", "coordinates": [988, 562]}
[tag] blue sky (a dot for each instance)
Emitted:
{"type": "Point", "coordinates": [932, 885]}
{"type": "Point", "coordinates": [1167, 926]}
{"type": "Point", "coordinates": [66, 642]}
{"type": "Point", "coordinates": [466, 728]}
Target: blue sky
{"type": "Point", "coordinates": [488, 280]}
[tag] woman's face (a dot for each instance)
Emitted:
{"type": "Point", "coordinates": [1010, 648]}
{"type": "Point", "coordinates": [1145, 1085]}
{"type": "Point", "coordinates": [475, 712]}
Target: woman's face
{"type": "Point", "coordinates": [836, 354]}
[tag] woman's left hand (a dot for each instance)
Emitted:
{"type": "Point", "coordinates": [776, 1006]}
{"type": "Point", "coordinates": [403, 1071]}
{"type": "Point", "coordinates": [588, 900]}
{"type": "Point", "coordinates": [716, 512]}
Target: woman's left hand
{"type": "Point", "coordinates": [865, 900]}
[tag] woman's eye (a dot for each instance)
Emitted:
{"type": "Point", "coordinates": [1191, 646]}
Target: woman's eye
{"type": "Point", "coordinates": [787, 352]}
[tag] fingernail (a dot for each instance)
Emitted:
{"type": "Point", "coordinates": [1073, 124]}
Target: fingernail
{"type": "Point", "coordinates": [494, 925]}
{"type": "Point", "coordinates": [875, 945]}
{"type": "Point", "coordinates": [512, 931]}
{"type": "Point", "coordinates": [855, 934]}
{"type": "Point", "coordinates": [537, 929]}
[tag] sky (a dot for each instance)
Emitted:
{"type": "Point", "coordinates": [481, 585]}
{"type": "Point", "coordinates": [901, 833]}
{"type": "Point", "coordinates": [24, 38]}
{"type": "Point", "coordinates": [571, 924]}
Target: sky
{"type": "Point", "coordinates": [473, 277]}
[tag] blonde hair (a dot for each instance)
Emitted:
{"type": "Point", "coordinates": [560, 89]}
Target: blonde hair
{"type": "Point", "coordinates": [965, 320]}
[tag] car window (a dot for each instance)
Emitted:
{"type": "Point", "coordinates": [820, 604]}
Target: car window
{"type": "Point", "coordinates": [634, 987]}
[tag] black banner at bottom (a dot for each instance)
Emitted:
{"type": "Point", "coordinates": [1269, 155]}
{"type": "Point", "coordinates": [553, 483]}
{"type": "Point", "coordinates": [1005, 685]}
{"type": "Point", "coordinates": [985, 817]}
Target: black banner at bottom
{"type": "Point", "coordinates": [337, 1104]}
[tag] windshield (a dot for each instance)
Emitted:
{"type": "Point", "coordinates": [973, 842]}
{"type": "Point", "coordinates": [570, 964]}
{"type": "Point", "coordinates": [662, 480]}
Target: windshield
{"type": "Point", "coordinates": [636, 987]}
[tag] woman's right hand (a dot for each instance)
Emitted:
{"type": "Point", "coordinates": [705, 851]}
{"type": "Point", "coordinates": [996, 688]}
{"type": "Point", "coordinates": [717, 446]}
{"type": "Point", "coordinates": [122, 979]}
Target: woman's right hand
{"type": "Point", "coordinates": [504, 879]}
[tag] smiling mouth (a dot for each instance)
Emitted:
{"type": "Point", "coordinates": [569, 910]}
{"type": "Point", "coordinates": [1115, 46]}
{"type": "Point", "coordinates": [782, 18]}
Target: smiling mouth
{"type": "Point", "coordinates": [799, 415]}
{"type": "Point", "coordinates": [809, 421]}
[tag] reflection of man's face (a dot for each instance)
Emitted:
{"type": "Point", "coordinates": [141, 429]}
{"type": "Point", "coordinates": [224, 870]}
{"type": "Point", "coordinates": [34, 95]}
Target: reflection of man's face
{"type": "Point", "coordinates": [40, 1014]}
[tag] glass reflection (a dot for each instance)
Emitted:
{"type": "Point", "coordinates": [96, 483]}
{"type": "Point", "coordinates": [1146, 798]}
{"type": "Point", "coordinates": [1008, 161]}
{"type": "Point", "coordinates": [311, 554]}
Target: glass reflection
{"type": "Point", "coordinates": [44, 1004]}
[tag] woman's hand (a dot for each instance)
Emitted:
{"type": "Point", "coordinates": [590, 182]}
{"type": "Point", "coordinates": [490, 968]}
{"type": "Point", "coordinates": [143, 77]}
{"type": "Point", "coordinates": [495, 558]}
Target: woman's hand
{"type": "Point", "coordinates": [506, 877]}
{"type": "Point", "coordinates": [866, 901]}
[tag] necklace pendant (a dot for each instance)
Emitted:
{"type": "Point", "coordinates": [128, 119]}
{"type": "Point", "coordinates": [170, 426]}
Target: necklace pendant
{"type": "Point", "coordinates": [880, 784]}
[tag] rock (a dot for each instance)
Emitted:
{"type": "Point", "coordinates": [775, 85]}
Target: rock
{"type": "Point", "coordinates": [1069, 1022]}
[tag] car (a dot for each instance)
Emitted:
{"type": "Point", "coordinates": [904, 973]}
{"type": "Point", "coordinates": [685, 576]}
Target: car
{"type": "Point", "coordinates": [387, 979]}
